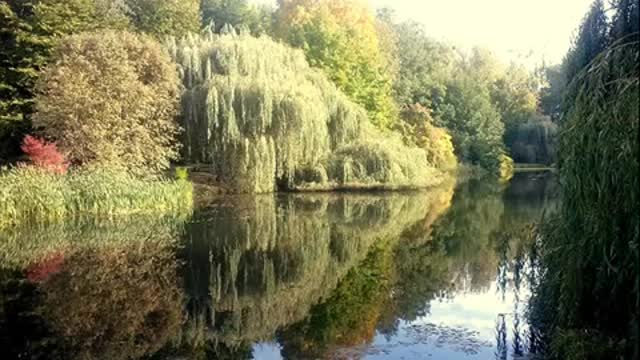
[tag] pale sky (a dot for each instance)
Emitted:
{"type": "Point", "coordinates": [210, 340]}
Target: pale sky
{"type": "Point", "coordinates": [524, 31]}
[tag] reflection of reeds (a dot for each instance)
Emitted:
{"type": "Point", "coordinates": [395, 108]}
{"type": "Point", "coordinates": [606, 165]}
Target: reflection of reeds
{"type": "Point", "coordinates": [29, 243]}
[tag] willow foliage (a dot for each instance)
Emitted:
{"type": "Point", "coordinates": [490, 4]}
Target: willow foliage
{"type": "Point", "coordinates": [264, 118]}
{"type": "Point", "coordinates": [591, 250]}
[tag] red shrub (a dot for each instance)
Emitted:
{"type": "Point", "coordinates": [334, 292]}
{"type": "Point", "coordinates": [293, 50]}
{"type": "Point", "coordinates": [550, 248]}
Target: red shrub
{"type": "Point", "coordinates": [41, 270]}
{"type": "Point", "coordinates": [44, 155]}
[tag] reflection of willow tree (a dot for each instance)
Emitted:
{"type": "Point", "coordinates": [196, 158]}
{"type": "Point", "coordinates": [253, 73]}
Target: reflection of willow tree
{"type": "Point", "coordinates": [107, 292]}
{"type": "Point", "coordinates": [278, 256]}
{"type": "Point", "coordinates": [436, 257]}
{"type": "Point", "coordinates": [465, 235]}
{"type": "Point", "coordinates": [350, 315]}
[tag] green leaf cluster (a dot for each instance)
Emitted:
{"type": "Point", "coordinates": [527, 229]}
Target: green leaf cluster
{"type": "Point", "coordinates": [340, 38]}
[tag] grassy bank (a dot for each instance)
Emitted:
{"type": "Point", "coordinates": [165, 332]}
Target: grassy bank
{"type": "Point", "coordinates": [28, 193]}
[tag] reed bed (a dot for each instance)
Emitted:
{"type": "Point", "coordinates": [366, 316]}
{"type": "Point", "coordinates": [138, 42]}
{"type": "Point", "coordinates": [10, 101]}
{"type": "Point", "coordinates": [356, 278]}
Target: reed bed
{"type": "Point", "coordinates": [32, 194]}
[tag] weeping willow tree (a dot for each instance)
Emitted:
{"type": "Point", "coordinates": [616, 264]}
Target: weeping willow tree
{"type": "Point", "coordinates": [533, 141]}
{"type": "Point", "coordinates": [264, 119]}
{"type": "Point", "coordinates": [589, 298]}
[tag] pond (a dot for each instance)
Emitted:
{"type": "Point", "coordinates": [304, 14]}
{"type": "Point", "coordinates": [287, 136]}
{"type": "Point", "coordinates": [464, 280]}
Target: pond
{"type": "Point", "coordinates": [439, 274]}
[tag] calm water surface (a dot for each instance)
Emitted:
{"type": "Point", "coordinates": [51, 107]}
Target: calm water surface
{"type": "Point", "coordinates": [441, 274]}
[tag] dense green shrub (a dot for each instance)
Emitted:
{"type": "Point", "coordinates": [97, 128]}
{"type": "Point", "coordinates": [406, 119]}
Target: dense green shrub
{"type": "Point", "coordinates": [263, 117]}
{"type": "Point", "coordinates": [110, 98]}
{"type": "Point", "coordinates": [28, 193]}
{"type": "Point", "coordinates": [30, 29]}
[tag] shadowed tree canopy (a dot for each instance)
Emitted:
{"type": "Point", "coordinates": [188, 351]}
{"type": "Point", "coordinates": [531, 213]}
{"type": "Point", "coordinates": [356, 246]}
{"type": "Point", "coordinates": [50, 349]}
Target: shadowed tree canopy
{"type": "Point", "coordinates": [237, 13]}
{"type": "Point", "coordinates": [552, 91]}
{"type": "Point", "coordinates": [591, 40]}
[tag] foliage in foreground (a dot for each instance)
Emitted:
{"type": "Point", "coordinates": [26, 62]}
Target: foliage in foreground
{"type": "Point", "coordinates": [28, 193]}
{"type": "Point", "coordinates": [264, 118]}
{"type": "Point", "coordinates": [589, 288]}
{"type": "Point", "coordinates": [110, 98]}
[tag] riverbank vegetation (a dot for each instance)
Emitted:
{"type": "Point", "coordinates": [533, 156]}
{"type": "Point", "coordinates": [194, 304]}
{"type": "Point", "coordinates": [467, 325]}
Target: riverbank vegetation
{"type": "Point", "coordinates": [106, 104]}
{"type": "Point", "coordinates": [29, 193]}
{"type": "Point", "coordinates": [265, 119]}
{"type": "Point", "coordinates": [368, 103]}
{"type": "Point", "coordinates": [587, 302]}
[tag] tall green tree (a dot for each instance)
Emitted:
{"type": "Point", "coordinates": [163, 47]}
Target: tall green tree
{"type": "Point", "coordinates": [340, 38]}
{"type": "Point", "coordinates": [625, 22]}
{"type": "Point", "coordinates": [552, 91]}
{"type": "Point", "coordinates": [468, 95]}
{"type": "Point", "coordinates": [474, 123]}
{"type": "Point", "coordinates": [591, 40]}
{"type": "Point", "coordinates": [423, 64]}
{"type": "Point", "coordinates": [165, 17]}
{"type": "Point", "coordinates": [237, 13]}
{"type": "Point", "coordinates": [515, 95]}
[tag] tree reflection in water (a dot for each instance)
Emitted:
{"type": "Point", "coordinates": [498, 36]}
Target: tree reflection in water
{"type": "Point", "coordinates": [322, 274]}
{"type": "Point", "coordinates": [106, 295]}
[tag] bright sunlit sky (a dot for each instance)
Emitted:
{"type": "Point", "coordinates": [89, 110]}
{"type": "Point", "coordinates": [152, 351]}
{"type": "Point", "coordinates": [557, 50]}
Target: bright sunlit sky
{"type": "Point", "coordinates": [526, 31]}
